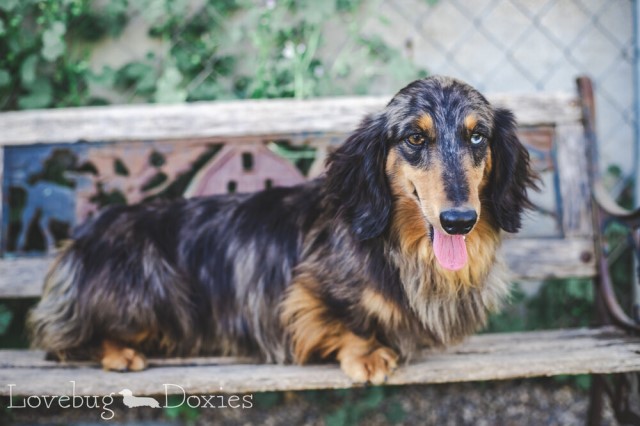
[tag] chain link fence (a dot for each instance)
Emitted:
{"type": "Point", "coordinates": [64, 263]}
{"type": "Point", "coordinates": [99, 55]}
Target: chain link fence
{"type": "Point", "coordinates": [525, 45]}
{"type": "Point", "coordinates": [496, 45]}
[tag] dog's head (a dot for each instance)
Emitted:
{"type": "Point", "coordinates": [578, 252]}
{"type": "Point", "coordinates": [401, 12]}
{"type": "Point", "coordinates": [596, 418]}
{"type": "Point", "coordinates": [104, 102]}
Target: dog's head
{"type": "Point", "coordinates": [442, 144]}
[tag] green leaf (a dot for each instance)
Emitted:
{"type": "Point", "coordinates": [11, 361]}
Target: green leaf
{"type": "Point", "coordinates": [583, 381]}
{"type": "Point", "coordinates": [8, 5]}
{"type": "Point", "coordinates": [40, 96]}
{"type": "Point", "coordinates": [176, 7]}
{"type": "Point", "coordinates": [168, 89]}
{"type": "Point", "coordinates": [206, 91]}
{"type": "Point", "coordinates": [5, 318]}
{"type": "Point", "coordinates": [266, 400]}
{"type": "Point", "coordinates": [137, 75]}
{"type": "Point", "coordinates": [347, 6]}
{"type": "Point", "coordinates": [53, 45]}
{"type": "Point", "coordinates": [28, 71]}
{"type": "Point", "coordinates": [3, 30]}
{"type": "Point", "coordinates": [107, 77]}
{"type": "Point", "coordinates": [319, 11]}
{"type": "Point", "coordinates": [395, 413]}
{"type": "Point", "coordinates": [116, 12]}
{"type": "Point", "coordinates": [338, 418]}
{"type": "Point", "coordinates": [384, 20]}
{"type": "Point", "coordinates": [5, 78]}
{"type": "Point", "coordinates": [152, 10]}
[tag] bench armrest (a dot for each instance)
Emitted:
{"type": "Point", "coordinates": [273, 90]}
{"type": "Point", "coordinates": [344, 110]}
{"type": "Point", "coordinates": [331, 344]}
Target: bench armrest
{"type": "Point", "coordinates": [607, 210]}
{"type": "Point", "coordinates": [612, 209]}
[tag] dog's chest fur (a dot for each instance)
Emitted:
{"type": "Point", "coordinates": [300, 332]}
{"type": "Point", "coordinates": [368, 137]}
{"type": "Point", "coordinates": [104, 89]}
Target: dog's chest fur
{"type": "Point", "coordinates": [445, 306]}
{"type": "Point", "coordinates": [399, 292]}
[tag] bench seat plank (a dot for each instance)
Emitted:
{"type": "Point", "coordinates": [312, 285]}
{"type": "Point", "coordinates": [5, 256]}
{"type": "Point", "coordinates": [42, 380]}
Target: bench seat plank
{"type": "Point", "coordinates": [527, 259]}
{"type": "Point", "coordinates": [482, 357]}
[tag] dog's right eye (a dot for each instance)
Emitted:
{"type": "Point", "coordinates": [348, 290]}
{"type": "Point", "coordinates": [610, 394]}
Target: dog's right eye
{"type": "Point", "coordinates": [416, 139]}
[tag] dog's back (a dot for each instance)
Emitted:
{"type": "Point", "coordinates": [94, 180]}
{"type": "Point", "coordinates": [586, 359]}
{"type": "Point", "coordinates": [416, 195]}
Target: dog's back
{"type": "Point", "coordinates": [175, 278]}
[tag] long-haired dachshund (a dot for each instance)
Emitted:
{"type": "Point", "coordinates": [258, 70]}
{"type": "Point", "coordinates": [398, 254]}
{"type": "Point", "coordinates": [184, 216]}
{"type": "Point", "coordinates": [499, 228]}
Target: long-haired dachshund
{"type": "Point", "coordinates": [393, 249]}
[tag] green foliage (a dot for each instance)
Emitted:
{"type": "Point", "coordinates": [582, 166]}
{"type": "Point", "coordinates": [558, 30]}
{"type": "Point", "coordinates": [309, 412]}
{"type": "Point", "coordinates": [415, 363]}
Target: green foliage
{"type": "Point", "coordinates": [266, 400]}
{"type": "Point", "coordinates": [356, 406]}
{"type": "Point", "coordinates": [352, 406]}
{"type": "Point", "coordinates": [6, 315]}
{"type": "Point", "coordinates": [215, 49]}
{"type": "Point", "coordinates": [178, 411]}
{"type": "Point", "coordinates": [42, 61]}
{"type": "Point", "coordinates": [13, 314]}
{"type": "Point", "coordinates": [512, 316]}
{"type": "Point", "coordinates": [557, 304]}
{"type": "Point", "coordinates": [395, 413]}
{"type": "Point", "coordinates": [562, 304]}
{"type": "Point", "coordinates": [282, 57]}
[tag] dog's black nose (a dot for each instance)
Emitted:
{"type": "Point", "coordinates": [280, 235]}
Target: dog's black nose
{"type": "Point", "coordinates": [458, 221]}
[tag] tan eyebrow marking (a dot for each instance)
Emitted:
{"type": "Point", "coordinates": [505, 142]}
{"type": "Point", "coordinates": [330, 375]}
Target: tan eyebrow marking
{"type": "Point", "coordinates": [470, 122]}
{"type": "Point", "coordinates": [426, 123]}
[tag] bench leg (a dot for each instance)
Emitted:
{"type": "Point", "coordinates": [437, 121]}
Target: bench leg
{"type": "Point", "coordinates": [596, 393]}
{"type": "Point", "coordinates": [623, 391]}
{"type": "Point", "coordinates": [625, 398]}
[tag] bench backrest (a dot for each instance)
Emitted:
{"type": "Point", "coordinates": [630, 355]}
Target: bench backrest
{"type": "Point", "coordinates": [551, 125]}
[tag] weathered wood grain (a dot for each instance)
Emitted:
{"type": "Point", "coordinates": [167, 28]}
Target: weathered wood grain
{"type": "Point", "coordinates": [23, 277]}
{"type": "Point", "coordinates": [573, 180]}
{"type": "Point", "coordinates": [542, 258]}
{"type": "Point", "coordinates": [536, 109]}
{"type": "Point", "coordinates": [245, 118]}
{"type": "Point", "coordinates": [527, 258]}
{"type": "Point", "coordinates": [483, 357]}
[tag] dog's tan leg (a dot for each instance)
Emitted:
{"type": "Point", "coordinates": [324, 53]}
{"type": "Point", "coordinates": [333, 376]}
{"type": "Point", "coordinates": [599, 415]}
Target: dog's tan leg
{"type": "Point", "coordinates": [121, 358]}
{"type": "Point", "coordinates": [314, 333]}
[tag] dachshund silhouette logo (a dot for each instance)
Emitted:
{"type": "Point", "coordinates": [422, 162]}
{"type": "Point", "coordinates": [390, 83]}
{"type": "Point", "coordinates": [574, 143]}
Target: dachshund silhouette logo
{"type": "Point", "coordinates": [132, 401]}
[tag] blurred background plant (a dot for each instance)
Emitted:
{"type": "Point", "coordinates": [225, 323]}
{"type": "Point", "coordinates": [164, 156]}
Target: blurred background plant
{"type": "Point", "coordinates": [43, 53]}
{"type": "Point", "coordinates": [270, 51]}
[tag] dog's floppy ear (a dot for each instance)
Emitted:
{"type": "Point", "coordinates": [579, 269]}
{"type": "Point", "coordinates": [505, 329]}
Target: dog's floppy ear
{"type": "Point", "coordinates": [356, 180]}
{"type": "Point", "coordinates": [511, 174]}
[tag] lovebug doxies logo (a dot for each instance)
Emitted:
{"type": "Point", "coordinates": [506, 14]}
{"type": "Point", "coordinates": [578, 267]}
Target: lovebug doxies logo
{"type": "Point", "coordinates": [172, 396]}
{"type": "Point", "coordinates": [65, 401]}
{"type": "Point", "coordinates": [132, 401]}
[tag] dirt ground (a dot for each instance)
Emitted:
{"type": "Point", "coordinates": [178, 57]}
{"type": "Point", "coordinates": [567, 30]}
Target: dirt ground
{"type": "Point", "coordinates": [522, 402]}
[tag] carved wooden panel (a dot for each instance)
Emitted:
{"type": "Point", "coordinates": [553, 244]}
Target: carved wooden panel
{"type": "Point", "coordinates": [243, 168]}
{"type": "Point", "coordinates": [51, 188]}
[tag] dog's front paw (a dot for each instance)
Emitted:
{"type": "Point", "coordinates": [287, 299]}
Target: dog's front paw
{"type": "Point", "coordinates": [374, 367]}
{"type": "Point", "coordinates": [118, 358]}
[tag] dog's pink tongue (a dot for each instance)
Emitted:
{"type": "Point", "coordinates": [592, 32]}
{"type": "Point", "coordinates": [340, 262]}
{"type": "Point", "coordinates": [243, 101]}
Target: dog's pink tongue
{"type": "Point", "coordinates": [450, 250]}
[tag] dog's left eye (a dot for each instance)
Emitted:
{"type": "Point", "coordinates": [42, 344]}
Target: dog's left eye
{"type": "Point", "coordinates": [416, 139]}
{"type": "Point", "coordinates": [476, 139]}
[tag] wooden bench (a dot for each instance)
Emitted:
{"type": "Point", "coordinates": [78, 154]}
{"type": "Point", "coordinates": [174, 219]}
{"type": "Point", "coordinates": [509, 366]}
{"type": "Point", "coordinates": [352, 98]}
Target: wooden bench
{"type": "Point", "coordinates": [558, 129]}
